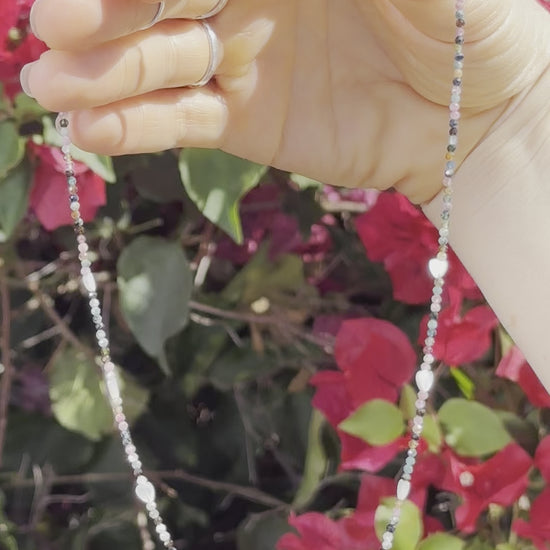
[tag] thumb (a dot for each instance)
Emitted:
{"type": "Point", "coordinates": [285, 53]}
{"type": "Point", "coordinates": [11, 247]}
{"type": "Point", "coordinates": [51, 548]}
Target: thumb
{"type": "Point", "coordinates": [507, 46]}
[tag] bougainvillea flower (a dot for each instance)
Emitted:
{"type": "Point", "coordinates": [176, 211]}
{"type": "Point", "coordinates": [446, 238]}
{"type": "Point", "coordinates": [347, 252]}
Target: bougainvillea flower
{"type": "Point", "coordinates": [262, 219]}
{"type": "Point", "coordinates": [355, 532]}
{"type": "Point", "coordinates": [542, 458]}
{"type": "Point", "coordinates": [537, 529]}
{"type": "Point", "coordinates": [398, 234]}
{"type": "Point", "coordinates": [462, 338]}
{"type": "Point", "coordinates": [17, 45]}
{"type": "Point", "coordinates": [375, 359]}
{"type": "Point", "coordinates": [500, 480]}
{"type": "Point", "coordinates": [514, 367]}
{"type": "Point", "coordinates": [48, 199]}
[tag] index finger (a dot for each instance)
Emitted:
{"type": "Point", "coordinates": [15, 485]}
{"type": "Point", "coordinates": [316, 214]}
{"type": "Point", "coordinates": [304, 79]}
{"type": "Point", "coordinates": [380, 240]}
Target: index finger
{"type": "Point", "coordinates": [76, 25]}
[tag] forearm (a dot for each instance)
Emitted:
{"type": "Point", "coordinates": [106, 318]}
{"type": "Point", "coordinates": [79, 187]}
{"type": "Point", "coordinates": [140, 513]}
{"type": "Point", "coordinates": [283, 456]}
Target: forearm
{"type": "Point", "coordinates": [500, 225]}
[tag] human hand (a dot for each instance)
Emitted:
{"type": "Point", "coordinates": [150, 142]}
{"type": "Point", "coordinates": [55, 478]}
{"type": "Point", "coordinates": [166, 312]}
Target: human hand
{"type": "Point", "coordinates": [351, 93]}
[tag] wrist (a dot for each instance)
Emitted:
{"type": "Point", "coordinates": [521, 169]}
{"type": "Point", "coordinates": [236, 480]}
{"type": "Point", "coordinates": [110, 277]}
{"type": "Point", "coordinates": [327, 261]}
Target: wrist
{"type": "Point", "coordinates": [500, 226]}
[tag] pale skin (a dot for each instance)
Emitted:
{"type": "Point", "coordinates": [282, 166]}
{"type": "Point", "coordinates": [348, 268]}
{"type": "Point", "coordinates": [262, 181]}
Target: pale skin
{"type": "Point", "coordinates": [349, 92]}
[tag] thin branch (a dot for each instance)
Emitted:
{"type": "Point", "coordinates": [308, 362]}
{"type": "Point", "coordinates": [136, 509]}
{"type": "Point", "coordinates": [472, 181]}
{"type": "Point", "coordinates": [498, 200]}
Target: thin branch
{"type": "Point", "coordinates": [255, 318]}
{"type": "Point", "coordinates": [248, 493]}
{"type": "Point", "coordinates": [7, 375]}
{"type": "Point", "coordinates": [64, 329]}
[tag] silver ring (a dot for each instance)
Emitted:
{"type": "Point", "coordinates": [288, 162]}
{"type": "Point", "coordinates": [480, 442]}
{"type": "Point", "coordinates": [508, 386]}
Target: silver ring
{"type": "Point", "coordinates": [215, 56]}
{"type": "Point", "coordinates": [156, 17]}
{"type": "Point", "coordinates": [214, 11]}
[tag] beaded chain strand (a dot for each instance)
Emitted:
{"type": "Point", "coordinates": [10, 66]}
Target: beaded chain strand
{"type": "Point", "coordinates": [144, 489]}
{"type": "Point", "coordinates": [438, 267]}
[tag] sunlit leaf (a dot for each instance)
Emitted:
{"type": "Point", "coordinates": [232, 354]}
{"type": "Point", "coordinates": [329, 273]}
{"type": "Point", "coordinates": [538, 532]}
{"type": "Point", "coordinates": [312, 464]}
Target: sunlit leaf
{"type": "Point", "coordinates": [378, 422]}
{"type": "Point", "coordinates": [216, 181]}
{"type": "Point", "coordinates": [472, 429]}
{"type": "Point", "coordinates": [410, 528]}
{"type": "Point", "coordinates": [78, 400]}
{"type": "Point", "coordinates": [465, 384]}
{"type": "Point", "coordinates": [100, 164]}
{"type": "Point", "coordinates": [441, 541]}
{"type": "Point", "coordinates": [155, 285]}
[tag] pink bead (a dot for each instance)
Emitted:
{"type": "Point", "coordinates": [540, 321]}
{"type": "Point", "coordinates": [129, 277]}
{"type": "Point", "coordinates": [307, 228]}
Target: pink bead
{"type": "Point", "coordinates": [460, 31]}
{"type": "Point", "coordinates": [455, 115]}
{"type": "Point", "coordinates": [120, 418]}
{"type": "Point", "coordinates": [454, 106]}
{"type": "Point", "coordinates": [81, 239]}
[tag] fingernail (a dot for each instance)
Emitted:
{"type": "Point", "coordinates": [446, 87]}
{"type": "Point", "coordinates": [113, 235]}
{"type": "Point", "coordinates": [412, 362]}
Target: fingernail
{"type": "Point", "coordinates": [32, 19]}
{"type": "Point", "coordinates": [24, 78]}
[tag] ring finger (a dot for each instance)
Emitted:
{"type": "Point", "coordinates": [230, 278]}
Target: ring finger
{"type": "Point", "coordinates": [126, 67]}
{"type": "Point", "coordinates": [68, 25]}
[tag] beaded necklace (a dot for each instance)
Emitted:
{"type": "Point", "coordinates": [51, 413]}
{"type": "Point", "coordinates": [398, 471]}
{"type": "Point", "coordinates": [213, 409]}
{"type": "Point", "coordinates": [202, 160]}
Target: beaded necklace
{"type": "Point", "coordinates": [437, 266]}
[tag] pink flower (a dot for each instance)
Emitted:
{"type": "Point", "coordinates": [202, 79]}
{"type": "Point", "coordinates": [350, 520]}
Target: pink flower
{"type": "Point", "coordinates": [17, 45]}
{"type": "Point", "coordinates": [375, 359]}
{"type": "Point", "coordinates": [49, 198]}
{"type": "Point", "coordinates": [356, 532]}
{"type": "Point", "coordinates": [398, 234]}
{"type": "Point", "coordinates": [500, 480]}
{"type": "Point", "coordinates": [462, 338]}
{"type": "Point", "coordinates": [514, 367]}
{"type": "Point", "coordinates": [537, 529]}
{"type": "Point", "coordinates": [542, 457]}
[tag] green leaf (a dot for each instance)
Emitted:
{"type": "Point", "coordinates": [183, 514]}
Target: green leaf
{"type": "Point", "coordinates": [27, 109]}
{"type": "Point", "coordinates": [100, 164]}
{"type": "Point", "coordinates": [407, 401]}
{"type": "Point", "coordinates": [261, 532]}
{"type": "Point", "coordinates": [432, 433]}
{"type": "Point", "coordinates": [378, 422]}
{"type": "Point", "coordinates": [465, 384]}
{"type": "Point", "coordinates": [155, 285]}
{"type": "Point", "coordinates": [316, 463]}
{"type": "Point", "coordinates": [410, 529]}
{"type": "Point", "coordinates": [45, 442]}
{"type": "Point", "coordinates": [304, 182]}
{"type": "Point", "coordinates": [12, 146]}
{"type": "Point", "coordinates": [441, 541]}
{"type": "Point", "coordinates": [262, 277]}
{"type": "Point", "coordinates": [7, 528]}
{"type": "Point", "coordinates": [472, 429]}
{"type": "Point", "coordinates": [216, 181]}
{"type": "Point", "coordinates": [14, 198]}
{"type": "Point", "coordinates": [78, 400]}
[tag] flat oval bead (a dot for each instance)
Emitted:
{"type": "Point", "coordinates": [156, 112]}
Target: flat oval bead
{"type": "Point", "coordinates": [88, 280]}
{"type": "Point", "coordinates": [403, 489]}
{"type": "Point", "coordinates": [145, 490]}
{"type": "Point", "coordinates": [424, 380]}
